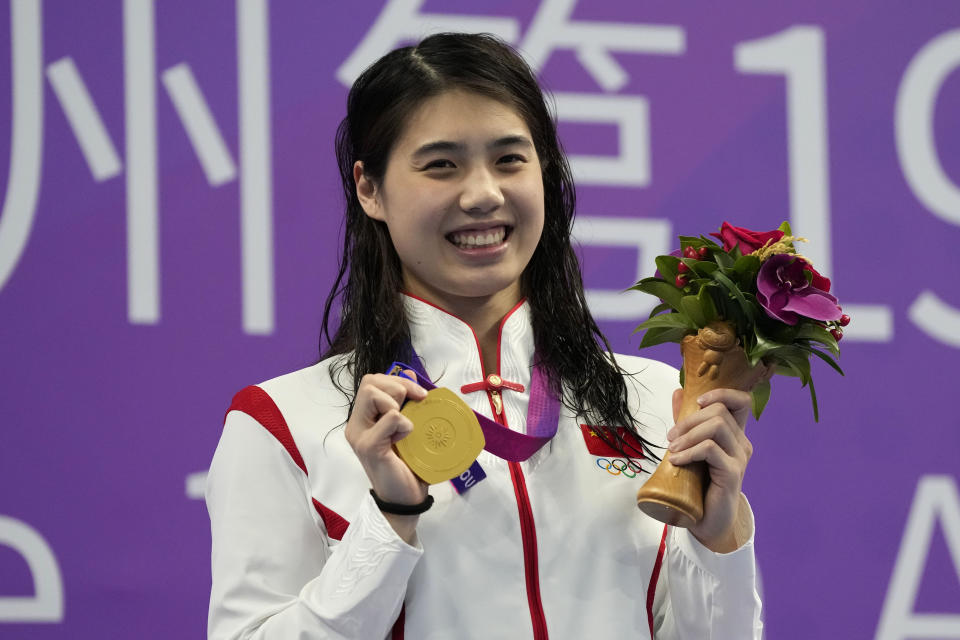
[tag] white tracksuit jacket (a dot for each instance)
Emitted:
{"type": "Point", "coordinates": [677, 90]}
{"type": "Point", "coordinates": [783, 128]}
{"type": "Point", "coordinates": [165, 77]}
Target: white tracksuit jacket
{"type": "Point", "coordinates": [551, 547]}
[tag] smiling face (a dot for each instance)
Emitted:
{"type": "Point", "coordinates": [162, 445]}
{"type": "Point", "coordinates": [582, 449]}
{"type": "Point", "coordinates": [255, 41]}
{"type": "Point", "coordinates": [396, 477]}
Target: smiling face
{"type": "Point", "coordinates": [462, 197]}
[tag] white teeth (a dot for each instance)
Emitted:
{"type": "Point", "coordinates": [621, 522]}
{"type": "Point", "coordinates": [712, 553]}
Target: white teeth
{"type": "Point", "coordinates": [478, 239]}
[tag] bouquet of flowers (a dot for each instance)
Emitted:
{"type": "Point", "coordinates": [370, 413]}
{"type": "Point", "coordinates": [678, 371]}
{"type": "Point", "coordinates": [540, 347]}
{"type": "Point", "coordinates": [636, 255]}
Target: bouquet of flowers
{"type": "Point", "coordinates": [777, 305]}
{"type": "Point", "coordinates": [740, 310]}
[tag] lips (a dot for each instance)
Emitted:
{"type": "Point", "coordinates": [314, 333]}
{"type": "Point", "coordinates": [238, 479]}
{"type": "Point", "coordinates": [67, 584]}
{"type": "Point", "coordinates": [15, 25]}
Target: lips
{"type": "Point", "coordinates": [479, 238]}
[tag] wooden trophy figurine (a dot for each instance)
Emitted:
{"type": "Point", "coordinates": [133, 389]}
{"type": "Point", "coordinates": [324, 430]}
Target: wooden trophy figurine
{"type": "Point", "coordinates": [712, 359]}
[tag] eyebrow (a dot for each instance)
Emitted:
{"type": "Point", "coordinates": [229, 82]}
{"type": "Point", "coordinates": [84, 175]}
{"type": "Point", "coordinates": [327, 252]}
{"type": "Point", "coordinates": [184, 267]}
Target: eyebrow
{"type": "Point", "coordinates": [449, 146]}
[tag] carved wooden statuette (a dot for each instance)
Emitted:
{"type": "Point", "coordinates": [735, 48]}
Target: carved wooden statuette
{"type": "Point", "coordinates": [712, 359]}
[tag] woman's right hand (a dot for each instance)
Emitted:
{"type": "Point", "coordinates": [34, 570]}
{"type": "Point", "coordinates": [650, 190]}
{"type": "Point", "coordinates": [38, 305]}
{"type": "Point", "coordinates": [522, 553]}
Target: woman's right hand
{"type": "Point", "coordinates": [374, 425]}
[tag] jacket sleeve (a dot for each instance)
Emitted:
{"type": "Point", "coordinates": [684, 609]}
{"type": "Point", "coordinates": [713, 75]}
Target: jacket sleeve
{"type": "Point", "coordinates": [276, 573]}
{"type": "Point", "coordinates": [703, 594]}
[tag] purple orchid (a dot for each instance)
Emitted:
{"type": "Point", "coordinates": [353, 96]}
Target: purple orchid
{"type": "Point", "coordinates": [785, 294]}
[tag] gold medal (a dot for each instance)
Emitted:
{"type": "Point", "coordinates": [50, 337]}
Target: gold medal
{"type": "Point", "coordinates": [446, 436]}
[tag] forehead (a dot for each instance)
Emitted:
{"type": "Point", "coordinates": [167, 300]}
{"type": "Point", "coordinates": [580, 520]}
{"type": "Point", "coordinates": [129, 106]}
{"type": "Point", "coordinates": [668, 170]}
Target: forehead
{"type": "Point", "coordinates": [460, 116]}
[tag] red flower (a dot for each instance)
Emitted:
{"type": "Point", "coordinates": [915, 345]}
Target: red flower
{"type": "Point", "coordinates": [819, 281]}
{"type": "Point", "coordinates": [748, 241]}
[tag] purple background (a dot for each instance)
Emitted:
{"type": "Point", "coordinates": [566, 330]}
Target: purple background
{"type": "Point", "coordinates": [102, 420]}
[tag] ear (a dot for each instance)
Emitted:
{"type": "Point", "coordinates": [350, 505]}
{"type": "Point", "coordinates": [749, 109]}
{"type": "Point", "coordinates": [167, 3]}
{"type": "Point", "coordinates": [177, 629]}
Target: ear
{"type": "Point", "coordinates": [367, 192]}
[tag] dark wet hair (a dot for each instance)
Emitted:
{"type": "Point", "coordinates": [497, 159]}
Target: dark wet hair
{"type": "Point", "coordinates": [373, 331]}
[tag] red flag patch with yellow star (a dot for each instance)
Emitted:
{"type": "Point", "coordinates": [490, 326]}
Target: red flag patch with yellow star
{"type": "Point", "coordinates": [596, 446]}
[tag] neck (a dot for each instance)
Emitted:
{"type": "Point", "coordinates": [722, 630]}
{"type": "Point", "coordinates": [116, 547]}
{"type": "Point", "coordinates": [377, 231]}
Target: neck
{"type": "Point", "coordinates": [486, 325]}
{"type": "Point", "coordinates": [483, 314]}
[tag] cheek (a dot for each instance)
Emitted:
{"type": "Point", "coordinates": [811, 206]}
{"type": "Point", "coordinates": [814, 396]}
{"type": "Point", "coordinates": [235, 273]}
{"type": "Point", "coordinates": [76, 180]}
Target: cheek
{"type": "Point", "coordinates": [536, 207]}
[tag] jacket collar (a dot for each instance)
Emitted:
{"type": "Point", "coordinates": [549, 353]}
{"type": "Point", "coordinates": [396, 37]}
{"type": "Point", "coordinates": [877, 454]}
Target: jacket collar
{"type": "Point", "coordinates": [450, 351]}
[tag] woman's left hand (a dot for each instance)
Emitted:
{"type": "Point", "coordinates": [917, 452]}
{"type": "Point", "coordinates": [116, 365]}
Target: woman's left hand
{"type": "Point", "coordinates": [715, 435]}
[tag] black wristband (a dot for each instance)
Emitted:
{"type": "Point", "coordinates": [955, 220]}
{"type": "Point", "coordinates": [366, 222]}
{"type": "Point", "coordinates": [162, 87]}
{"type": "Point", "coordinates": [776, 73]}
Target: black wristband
{"type": "Point", "coordinates": [402, 509]}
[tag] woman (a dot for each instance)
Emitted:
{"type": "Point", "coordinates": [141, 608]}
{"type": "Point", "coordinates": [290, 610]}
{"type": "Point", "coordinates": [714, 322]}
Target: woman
{"type": "Point", "coordinates": [457, 257]}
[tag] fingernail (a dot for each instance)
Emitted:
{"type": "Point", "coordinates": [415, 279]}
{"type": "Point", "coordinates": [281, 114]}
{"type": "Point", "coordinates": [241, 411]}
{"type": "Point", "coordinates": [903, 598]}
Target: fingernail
{"type": "Point", "coordinates": [673, 446]}
{"type": "Point", "coordinates": [672, 434]}
{"type": "Point", "coordinates": [702, 400]}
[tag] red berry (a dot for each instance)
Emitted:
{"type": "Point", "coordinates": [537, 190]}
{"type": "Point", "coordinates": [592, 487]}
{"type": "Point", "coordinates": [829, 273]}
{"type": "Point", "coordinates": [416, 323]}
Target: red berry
{"type": "Point", "coordinates": [844, 320]}
{"type": "Point", "coordinates": [689, 252]}
{"type": "Point", "coordinates": [681, 281]}
{"type": "Point", "coordinates": [837, 334]}
{"type": "Point", "coordinates": [682, 267]}
{"type": "Point", "coordinates": [702, 252]}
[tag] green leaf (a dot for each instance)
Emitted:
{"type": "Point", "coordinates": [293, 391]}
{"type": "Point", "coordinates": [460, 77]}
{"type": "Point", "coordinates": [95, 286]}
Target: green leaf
{"type": "Point", "coordinates": [724, 259]}
{"type": "Point", "coordinates": [813, 399]}
{"type": "Point", "coordinates": [830, 361]}
{"type": "Point", "coordinates": [762, 347]}
{"type": "Point", "coordinates": [660, 308]}
{"type": "Point", "coordinates": [669, 320]}
{"type": "Point", "coordinates": [701, 267]}
{"type": "Point", "coordinates": [693, 310]}
{"type": "Point", "coordinates": [796, 358]}
{"type": "Point", "coordinates": [661, 335]}
{"type": "Point", "coordinates": [786, 369]}
{"type": "Point", "coordinates": [785, 227]}
{"type": "Point", "coordinates": [681, 377]}
{"type": "Point", "coordinates": [707, 305]}
{"type": "Point", "coordinates": [747, 264]}
{"type": "Point", "coordinates": [667, 265]}
{"type": "Point", "coordinates": [662, 289]}
{"type": "Point", "coordinates": [759, 396]}
{"type": "Point", "coordinates": [734, 290]}
{"type": "Point", "coordinates": [810, 331]}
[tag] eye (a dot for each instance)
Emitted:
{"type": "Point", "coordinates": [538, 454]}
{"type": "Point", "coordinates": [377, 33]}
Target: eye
{"type": "Point", "coordinates": [439, 164]}
{"type": "Point", "coordinates": [512, 158]}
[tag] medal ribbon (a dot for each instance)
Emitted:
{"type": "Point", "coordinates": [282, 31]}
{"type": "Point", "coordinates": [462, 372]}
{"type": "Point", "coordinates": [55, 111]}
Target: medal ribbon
{"type": "Point", "coordinates": [543, 416]}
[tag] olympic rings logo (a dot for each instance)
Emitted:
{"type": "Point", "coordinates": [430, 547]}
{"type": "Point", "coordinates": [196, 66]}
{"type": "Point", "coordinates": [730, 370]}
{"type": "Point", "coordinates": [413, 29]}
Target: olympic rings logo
{"type": "Point", "coordinates": [619, 466]}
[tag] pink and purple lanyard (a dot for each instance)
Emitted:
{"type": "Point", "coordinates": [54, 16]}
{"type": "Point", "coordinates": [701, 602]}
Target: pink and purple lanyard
{"type": "Point", "coordinates": [543, 416]}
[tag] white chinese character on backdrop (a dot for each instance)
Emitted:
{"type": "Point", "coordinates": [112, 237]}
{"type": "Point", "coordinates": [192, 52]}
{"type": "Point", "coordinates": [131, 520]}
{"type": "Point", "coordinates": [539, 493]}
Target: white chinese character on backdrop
{"type": "Point", "coordinates": [140, 115]}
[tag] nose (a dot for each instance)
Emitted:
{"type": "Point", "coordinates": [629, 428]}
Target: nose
{"type": "Point", "coordinates": [481, 192]}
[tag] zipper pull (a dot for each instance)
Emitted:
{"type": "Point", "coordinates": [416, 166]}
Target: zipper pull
{"type": "Point", "coordinates": [497, 402]}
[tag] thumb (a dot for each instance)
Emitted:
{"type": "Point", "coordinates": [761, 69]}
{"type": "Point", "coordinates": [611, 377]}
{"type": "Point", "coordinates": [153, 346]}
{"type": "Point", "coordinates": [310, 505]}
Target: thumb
{"type": "Point", "coordinates": [404, 428]}
{"type": "Point", "coordinates": [677, 399]}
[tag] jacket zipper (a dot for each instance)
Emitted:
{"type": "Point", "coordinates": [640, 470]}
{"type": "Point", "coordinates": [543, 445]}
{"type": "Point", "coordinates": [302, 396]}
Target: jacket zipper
{"type": "Point", "coordinates": [528, 531]}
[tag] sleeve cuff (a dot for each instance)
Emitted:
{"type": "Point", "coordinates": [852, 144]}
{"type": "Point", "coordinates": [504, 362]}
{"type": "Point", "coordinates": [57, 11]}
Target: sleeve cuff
{"type": "Point", "coordinates": [370, 512]}
{"type": "Point", "coordinates": [734, 565]}
{"type": "Point", "coordinates": [361, 589]}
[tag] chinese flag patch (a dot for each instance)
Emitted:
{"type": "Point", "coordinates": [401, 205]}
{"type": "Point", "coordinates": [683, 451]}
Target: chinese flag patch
{"type": "Point", "coordinates": [596, 446]}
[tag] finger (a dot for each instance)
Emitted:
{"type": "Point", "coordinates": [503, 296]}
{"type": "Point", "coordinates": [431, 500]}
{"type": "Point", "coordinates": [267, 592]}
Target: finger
{"type": "Point", "coordinates": [738, 403]}
{"type": "Point", "coordinates": [710, 452]}
{"type": "Point", "coordinates": [718, 428]}
{"type": "Point", "coordinates": [677, 400]}
{"type": "Point", "coordinates": [391, 427]}
{"type": "Point", "coordinates": [690, 421]}
{"type": "Point", "coordinates": [399, 387]}
{"type": "Point", "coordinates": [376, 403]}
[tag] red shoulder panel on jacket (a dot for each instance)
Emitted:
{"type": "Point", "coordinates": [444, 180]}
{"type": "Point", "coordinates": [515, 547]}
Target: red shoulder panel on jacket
{"type": "Point", "coordinates": [335, 524]}
{"type": "Point", "coordinates": [256, 403]}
